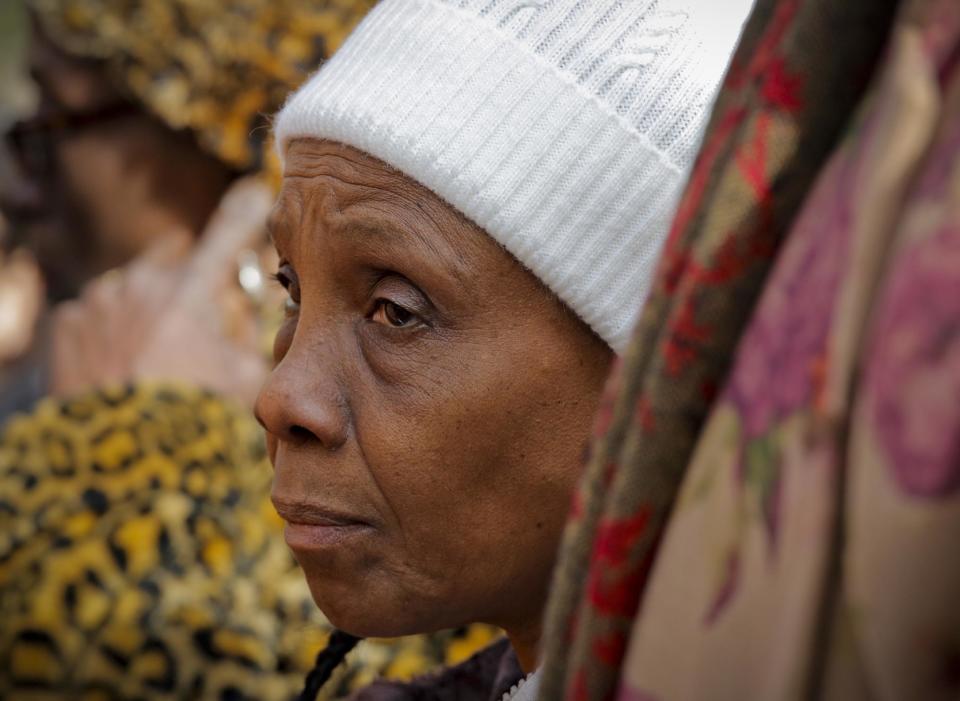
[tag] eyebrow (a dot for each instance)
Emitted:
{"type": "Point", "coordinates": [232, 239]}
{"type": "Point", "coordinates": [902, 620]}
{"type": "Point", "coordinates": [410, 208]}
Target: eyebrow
{"type": "Point", "coordinates": [271, 228]}
{"type": "Point", "coordinates": [380, 222]}
{"type": "Point", "coordinates": [278, 222]}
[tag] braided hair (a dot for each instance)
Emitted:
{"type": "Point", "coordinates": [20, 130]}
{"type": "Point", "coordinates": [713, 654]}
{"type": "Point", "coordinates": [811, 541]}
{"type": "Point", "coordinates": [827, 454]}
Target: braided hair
{"type": "Point", "coordinates": [328, 659]}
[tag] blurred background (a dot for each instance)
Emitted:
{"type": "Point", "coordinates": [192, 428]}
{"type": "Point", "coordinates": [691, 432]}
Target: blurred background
{"type": "Point", "coordinates": [125, 124]}
{"type": "Point", "coordinates": [20, 287]}
{"type": "Point", "coordinates": [17, 95]}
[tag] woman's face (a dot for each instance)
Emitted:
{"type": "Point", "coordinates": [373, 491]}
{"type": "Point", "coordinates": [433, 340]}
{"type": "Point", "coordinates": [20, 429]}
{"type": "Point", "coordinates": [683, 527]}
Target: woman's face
{"type": "Point", "coordinates": [429, 407]}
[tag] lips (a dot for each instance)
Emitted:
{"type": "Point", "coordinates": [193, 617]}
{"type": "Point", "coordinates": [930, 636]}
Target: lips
{"type": "Point", "coordinates": [313, 527]}
{"type": "Point", "coordinates": [304, 513]}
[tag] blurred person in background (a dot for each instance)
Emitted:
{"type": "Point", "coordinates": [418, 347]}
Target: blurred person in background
{"type": "Point", "coordinates": [21, 284]}
{"type": "Point", "coordinates": [139, 555]}
{"type": "Point", "coordinates": [91, 178]}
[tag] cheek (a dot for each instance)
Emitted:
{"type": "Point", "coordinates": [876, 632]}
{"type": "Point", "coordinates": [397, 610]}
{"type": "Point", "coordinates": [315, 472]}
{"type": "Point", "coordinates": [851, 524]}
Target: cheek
{"type": "Point", "coordinates": [463, 453]}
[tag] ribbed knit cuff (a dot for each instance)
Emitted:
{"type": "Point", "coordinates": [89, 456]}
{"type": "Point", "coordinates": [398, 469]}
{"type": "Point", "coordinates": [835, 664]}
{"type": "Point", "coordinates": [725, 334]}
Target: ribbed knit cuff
{"type": "Point", "coordinates": [564, 183]}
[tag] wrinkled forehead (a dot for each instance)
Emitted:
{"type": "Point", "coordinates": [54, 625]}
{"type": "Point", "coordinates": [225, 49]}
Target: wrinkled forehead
{"type": "Point", "coordinates": [352, 196]}
{"type": "Point", "coordinates": [331, 179]}
{"type": "Point", "coordinates": [312, 182]}
{"type": "Point", "coordinates": [347, 171]}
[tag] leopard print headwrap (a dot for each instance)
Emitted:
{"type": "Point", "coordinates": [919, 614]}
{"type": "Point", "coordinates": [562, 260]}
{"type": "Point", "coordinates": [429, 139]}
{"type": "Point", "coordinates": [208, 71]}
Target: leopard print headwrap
{"type": "Point", "coordinates": [216, 67]}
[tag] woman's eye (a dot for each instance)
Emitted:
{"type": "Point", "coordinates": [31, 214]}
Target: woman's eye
{"type": "Point", "coordinates": [288, 280]}
{"type": "Point", "coordinates": [392, 314]}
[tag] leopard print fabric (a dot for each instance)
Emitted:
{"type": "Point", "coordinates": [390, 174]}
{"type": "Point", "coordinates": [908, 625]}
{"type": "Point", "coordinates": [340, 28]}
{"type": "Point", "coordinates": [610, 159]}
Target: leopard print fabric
{"type": "Point", "coordinates": [217, 68]}
{"type": "Point", "coordinates": [140, 558]}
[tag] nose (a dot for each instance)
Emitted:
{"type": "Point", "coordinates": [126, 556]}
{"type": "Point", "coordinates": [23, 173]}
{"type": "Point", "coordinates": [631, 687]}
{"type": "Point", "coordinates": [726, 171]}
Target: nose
{"type": "Point", "coordinates": [301, 401]}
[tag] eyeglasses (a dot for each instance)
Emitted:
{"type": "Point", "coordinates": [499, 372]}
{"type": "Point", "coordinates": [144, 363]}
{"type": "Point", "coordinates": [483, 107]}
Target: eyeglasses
{"type": "Point", "coordinates": [32, 140]}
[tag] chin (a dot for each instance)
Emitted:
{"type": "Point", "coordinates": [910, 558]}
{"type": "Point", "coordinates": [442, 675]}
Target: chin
{"type": "Point", "coordinates": [366, 610]}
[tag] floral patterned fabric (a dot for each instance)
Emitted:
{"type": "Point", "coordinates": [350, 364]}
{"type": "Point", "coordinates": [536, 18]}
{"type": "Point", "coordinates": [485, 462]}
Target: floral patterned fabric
{"type": "Point", "coordinates": [812, 550]}
{"type": "Point", "coordinates": [783, 108]}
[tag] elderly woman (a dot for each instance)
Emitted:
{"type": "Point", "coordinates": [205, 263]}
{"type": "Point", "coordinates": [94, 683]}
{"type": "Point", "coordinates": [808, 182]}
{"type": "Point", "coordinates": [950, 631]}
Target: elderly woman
{"type": "Point", "coordinates": [474, 196]}
{"type": "Point", "coordinates": [139, 555]}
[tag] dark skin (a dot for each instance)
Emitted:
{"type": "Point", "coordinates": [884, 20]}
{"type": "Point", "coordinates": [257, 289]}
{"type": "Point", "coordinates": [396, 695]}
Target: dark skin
{"type": "Point", "coordinates": [429, 407]}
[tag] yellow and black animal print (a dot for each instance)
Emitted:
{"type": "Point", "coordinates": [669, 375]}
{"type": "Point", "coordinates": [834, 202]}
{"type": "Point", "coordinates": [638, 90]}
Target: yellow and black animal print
{"type": "Point", "coordinates": [216, 68]}
{"type": "Point", "coordinates": [140, 558]}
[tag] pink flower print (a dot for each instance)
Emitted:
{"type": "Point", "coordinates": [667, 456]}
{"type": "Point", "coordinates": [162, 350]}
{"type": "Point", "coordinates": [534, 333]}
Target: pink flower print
{"type": "Point", "coordinates": [913, 372]}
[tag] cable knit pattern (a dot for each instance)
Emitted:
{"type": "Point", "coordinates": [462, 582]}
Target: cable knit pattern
{"type": "Point", "coordinates": [564, 128]}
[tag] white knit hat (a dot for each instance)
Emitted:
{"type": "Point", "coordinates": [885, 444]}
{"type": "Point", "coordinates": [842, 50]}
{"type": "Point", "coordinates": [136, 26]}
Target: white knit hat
{"type": "Point", "coordinates": [564, 128]}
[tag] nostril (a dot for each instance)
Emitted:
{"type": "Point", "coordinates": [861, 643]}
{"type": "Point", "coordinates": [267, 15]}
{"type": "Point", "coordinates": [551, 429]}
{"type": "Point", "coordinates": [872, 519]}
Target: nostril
{"type": "Point", "coordinates": [299, 433]}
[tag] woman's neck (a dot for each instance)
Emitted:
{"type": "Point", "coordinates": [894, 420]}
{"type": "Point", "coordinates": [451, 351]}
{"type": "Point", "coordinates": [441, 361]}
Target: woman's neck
{"type": "Point", "coordinates": [525, 641]}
